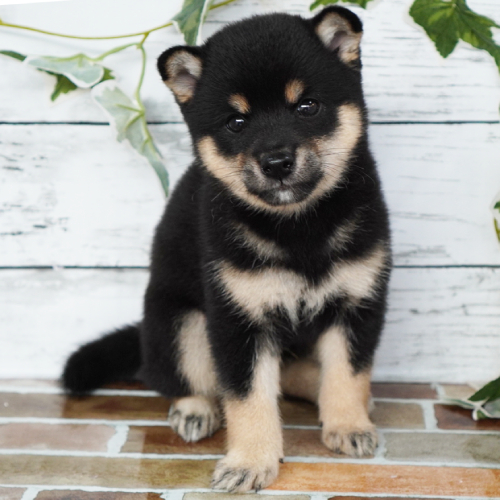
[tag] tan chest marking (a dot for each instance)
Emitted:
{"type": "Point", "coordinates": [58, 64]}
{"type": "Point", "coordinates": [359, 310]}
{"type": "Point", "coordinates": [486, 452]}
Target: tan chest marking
{"type": "Point", "coordinates": [265, 249]}
{"type": "Point", "coordinates": [258, 291]}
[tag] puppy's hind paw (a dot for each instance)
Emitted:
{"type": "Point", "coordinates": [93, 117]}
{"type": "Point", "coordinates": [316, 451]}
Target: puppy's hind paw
{"type": "Point", "coordinates": [354, 442]}
{"type": "Point", "coordinates": [194, 417]}
{"type": "Point", "coordinates": [240, 478]}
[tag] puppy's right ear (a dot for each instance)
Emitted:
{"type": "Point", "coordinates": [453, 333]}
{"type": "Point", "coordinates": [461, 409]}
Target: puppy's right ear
{"type": "Point", "coordinates": [180, 69]}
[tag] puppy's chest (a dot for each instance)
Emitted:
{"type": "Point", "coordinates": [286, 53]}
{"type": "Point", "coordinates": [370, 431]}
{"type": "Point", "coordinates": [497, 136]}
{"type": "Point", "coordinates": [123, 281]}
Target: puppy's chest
{"type": "Point", "coordinates": [274, 286]}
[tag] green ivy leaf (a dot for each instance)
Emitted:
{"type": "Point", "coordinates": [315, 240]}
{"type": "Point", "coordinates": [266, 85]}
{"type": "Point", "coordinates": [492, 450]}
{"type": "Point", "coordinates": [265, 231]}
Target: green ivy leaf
{"type": "Point", "coordinates": [129, 120]}
{"type": "Point", "coordinates": [489, 392]}
{"type": "Point", "coordinates": [80, 69]}
{"type": "Point", "coordinates": [497, 205]}
{"type": "Point", "coordinates": [15, 55]}
{"type": "Point", "coordinates": [448, 21]}
{"type": "Point", "coordinates": [361, 3]}
{"type": "Point", "coordinates": [189, 20]}
{"type": "Point", "coordinates": [63, 86]}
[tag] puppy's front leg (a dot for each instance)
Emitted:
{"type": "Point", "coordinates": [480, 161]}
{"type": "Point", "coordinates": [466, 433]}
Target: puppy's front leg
{"type": "Point", "coordinates": [343, 398]}
{"type": "Point", "coordinates": [254, 437]}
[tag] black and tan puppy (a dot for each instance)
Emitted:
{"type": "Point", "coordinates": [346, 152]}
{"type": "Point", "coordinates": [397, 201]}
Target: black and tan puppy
{"type": "Point", "coordinates": [270, 266]}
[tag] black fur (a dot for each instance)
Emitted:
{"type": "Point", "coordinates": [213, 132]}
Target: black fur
{"type": "Point", "coordinates": [255, 58]}
{"type": "Point", "coordinates": [113, 358]}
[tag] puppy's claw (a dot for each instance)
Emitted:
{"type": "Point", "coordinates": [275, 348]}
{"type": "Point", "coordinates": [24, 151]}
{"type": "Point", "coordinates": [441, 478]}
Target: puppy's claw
{"type": "Point", "coordinates": [194, 418]}
{"type": "Point", "coordinates": [354, 442]}
{"type": "Point", "coordinates": [240, 479]}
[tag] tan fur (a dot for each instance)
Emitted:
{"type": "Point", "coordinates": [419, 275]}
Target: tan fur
{"type": "Point", "coordinates": [343, 398]}
{"type": "Point", "coordinates": [178, 63]}
{"type": "Point", "coordinates": [265, 249]}
{"type": "Point", "coordinates": [332, 24]}
{"type": "Point", "coordinates": [195, 417]}
{"type": "Point", "coordinates": [239, 103]}
{"type": "Point", "coordinates": [334, 151]}
{"type": "Point", "coordinates": [343, 234]}
{"type": "Point", "coordinates": [195, 361]}
{"type": "Point", "coordinates": [254, 437]}
{"type": "Point", "coordinates": [293, 91]}
{"type": "Point", "coordinates": [256, 291]}
{"type": "Point", "coordinates": [300, 379]}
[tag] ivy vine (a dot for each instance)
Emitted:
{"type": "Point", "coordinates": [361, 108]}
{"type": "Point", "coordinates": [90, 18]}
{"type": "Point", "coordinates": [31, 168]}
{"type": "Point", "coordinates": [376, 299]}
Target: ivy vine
{"type": "Point", "coordinates": [445, 22]}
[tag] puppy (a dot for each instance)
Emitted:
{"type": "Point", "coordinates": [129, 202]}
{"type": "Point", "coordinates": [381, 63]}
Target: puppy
{"type": "Point", "coordinates": [270, 266]}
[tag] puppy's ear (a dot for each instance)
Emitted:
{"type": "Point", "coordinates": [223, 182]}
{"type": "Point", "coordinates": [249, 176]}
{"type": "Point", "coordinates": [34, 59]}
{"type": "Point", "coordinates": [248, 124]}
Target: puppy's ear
{"type": "Point", "coordinates": [340, 30]}
{"type": "Point", "coordinates": [180, 69]}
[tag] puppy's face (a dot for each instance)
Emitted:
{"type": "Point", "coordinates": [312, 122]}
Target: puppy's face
{"type": "Point", "coordinates": [274, 104]}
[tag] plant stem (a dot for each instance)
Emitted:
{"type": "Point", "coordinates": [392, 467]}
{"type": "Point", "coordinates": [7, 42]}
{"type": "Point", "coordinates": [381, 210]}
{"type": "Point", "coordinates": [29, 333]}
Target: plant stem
{"type": "Point", "coordinates": [137, 93]}
{"type": "Point", "coordinates": [166, 25]}
{"type": "Point", "coordinates": [18, 26]}
{"type": "Point", "coordinates": [221, 4]}
{"type": "Point", "coordinates": [112, 51]}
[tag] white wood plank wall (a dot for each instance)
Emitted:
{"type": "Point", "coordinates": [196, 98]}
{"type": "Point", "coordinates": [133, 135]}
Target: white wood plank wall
{"type": "Point", "coordinates": [77, 210]}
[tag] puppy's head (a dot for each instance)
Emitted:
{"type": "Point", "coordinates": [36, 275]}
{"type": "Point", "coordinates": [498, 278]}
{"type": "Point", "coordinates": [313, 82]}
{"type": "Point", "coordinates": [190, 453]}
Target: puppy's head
{"type": "Point", "coordinates": [274, 104]}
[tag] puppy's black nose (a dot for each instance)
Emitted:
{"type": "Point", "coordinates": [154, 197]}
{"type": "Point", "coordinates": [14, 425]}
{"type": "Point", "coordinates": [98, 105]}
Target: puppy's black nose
{"type": "Point", "coordinates": [277, 165]}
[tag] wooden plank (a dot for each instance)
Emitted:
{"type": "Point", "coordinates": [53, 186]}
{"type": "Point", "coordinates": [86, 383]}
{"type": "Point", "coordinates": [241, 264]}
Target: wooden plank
{"type": "Point", "coordinates": [72, 196]}
{"type": "Point", "coordinates": [442, 323]}
{"type": "Point", "coordinates": [405, 79]}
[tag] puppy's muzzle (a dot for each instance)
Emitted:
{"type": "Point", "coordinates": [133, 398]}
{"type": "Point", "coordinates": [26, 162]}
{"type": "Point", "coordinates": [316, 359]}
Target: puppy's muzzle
{"type": "Point", "coordinates": [278, 164]}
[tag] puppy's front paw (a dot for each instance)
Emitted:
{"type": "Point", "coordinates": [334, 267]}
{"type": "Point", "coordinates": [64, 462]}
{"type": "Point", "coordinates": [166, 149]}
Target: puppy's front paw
{"type": "Point", "coordinates": [194, 417]}
{"type": "Point", "coordinates": [240, 475]}
{"type": "Point", "coordinates": [351, 441]}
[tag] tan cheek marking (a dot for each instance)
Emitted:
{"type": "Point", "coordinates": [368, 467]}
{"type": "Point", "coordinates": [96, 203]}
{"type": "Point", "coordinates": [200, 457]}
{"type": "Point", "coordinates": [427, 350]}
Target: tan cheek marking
{"type": "Point", "coordinates": [227, 170]}
{"type": "Point", "coordinates": [253, 424]}
{"type": "Point", "coordinates": [195, 359]}
{"type": "Point", "coordinates": [335, 151]}
{"type": "Point", "coordinates": [343, 396]}
{"type": "Point", "coordinates": [239, 103]}
{"type": "Point", "coordinates": [293, 91]}
{"type": "Point", "coordinates": [300, 379]}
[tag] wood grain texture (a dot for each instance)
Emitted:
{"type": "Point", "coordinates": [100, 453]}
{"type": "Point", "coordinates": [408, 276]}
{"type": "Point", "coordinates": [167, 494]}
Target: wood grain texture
{"type": "Point", "coordinates": [71, 196]}
{"type": "Point", "coordinates": [77, 198]}
{"type": "Point", "coordinates": [442, 323]}
{"type": "Point", "coordinates": [405, 79]}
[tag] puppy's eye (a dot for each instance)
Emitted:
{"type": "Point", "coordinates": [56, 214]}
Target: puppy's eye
{"type": "Point", "coordinates": [236, 124]}
{"type": "Point", "coordinates": [308, 107]}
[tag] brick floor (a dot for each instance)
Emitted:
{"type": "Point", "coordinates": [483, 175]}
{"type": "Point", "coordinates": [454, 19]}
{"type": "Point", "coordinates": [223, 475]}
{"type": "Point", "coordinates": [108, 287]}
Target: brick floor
{"type": "Point", "coordinates": [110, 453]}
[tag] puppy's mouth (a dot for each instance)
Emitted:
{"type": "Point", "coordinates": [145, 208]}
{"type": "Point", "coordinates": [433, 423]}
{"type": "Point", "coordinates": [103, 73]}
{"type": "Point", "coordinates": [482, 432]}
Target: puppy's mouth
{"type": "Point", "coordinates": [285, 192]}
{"type": "Point", "coordinates": [292, 189]}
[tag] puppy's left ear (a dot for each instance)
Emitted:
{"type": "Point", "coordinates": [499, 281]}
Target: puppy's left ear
{"type": "Point", "coordinates": [340, 30]}
{"type": "Point", "coordinates": [180, 69]}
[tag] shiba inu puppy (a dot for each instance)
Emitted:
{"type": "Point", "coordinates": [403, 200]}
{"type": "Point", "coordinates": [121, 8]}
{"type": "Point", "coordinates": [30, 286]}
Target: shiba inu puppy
{"type": "Point", "coordinates": [270, 265]}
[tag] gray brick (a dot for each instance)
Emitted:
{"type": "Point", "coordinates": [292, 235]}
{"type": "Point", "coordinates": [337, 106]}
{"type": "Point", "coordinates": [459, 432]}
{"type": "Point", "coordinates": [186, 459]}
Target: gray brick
{"type": "Point", "coordinates": [434, 447]}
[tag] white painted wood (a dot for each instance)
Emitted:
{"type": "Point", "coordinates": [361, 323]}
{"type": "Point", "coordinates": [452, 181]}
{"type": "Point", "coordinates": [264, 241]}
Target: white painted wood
{"type": "Point", "coordinates": [405, 78]}
{"type": "Point", "coordinates": [71, 196]}
{"type": "Point", "coordinates": [442, 323]}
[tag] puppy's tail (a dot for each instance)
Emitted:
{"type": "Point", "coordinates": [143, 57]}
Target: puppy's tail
{"type": "Point", "coordinates": [113, 358]}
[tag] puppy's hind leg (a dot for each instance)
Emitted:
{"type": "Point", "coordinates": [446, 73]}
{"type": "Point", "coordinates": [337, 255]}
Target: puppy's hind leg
{"type": "Point", "coordinates": [198, 416]}
{"type": "Point", "coordinates": [300, 379]}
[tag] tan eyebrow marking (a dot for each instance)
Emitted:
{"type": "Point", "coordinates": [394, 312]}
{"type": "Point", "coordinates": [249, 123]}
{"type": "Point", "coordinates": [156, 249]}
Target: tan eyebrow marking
{"type": "Point", "coordinates": [293, 91]}
{"type": "Point", "coordinates": [239, 103]}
